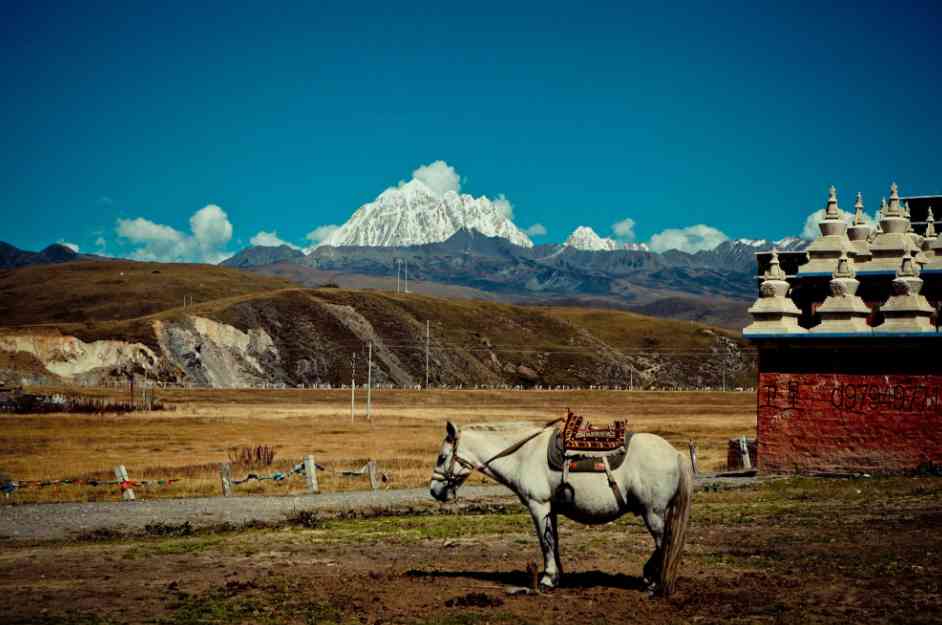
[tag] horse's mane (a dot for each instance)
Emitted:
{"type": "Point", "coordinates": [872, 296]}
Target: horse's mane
{"type": "Point", "coordinates": [502, 426]}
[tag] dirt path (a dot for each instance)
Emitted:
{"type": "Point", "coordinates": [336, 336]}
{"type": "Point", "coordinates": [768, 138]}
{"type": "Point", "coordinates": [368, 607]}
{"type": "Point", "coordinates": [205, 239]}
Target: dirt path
{"type": "Point", "coordinates": [826, 552]}
{"type": "Point", "coordinates": [58, 521]}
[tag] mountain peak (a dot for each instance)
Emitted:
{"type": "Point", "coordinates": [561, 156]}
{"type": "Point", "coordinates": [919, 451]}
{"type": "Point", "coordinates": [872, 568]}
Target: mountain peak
{"type": "Point", "coordinates": [585, 238]}
{"type": "Point", "coordinates": [413, 214]}
{"type": "Point", "coordinates": [259, 255]}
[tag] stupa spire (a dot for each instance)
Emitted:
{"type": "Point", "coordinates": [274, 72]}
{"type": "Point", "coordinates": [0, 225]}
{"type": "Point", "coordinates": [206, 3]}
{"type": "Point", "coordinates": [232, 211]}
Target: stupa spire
{"type": "Point", "coordinates": [826, 249]}
{"type": "Point", "coordinates": [774, 312]}
{"type": "Point", "coordinates": [930, 224]}
{"type": "Point", "coordinates": [859, 210]}
{"type": "Point", "coordinates": [893, 208]}
{"type": "Point", "coordinates": [843, 311]}
{"type": "Point", "coordinates": [832, 211]}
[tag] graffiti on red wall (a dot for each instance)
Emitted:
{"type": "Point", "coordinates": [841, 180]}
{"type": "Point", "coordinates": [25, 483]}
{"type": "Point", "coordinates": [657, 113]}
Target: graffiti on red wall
{"type": "Point", "coordinates": [913, 395]}
{"type": "Point", "coordinates": [810, 421]}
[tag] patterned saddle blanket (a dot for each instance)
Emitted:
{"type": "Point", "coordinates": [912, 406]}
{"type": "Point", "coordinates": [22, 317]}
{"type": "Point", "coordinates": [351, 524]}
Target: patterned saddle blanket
{"type": "Point", "coordinates": [584, 447]}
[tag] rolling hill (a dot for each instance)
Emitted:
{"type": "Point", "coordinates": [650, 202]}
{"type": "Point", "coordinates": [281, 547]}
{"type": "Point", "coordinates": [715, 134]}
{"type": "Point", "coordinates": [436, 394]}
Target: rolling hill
{"type": "Point", "coordinates": [97, 321]}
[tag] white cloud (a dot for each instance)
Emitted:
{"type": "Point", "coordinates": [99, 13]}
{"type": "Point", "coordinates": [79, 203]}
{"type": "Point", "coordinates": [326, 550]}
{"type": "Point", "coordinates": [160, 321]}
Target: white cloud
{"type": "Point", "coordinates": [536, 230]}
{"type": "Point", "coordinates": [439, 176]}
{"type": "Point", "coordinates": [100, 245]}
{"type": "Point", "coordinates": [504, 205]}
{"type": "Point", "coordinates": [625, 229]}
{"type": "Point", "coordinates": [690, 239]}
{"type": "Point", "coordinates": [319, 236]}
{"type": "Point", "coordinates": [210, 228]}
{"type": "Point", "coordinates": [71, 246]}
{"type": "Point", "coordinates": [811, 230]}
{"type": "Point", "coordinates": [270, 239]}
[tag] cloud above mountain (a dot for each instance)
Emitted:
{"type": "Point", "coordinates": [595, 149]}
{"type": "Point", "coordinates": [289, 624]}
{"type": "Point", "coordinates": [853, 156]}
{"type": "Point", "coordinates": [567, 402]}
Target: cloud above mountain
{"type": "Point", "coordinates": [438, 176]}
{"type": "Point", "coordinates": [270, 239]}
{"type": "Point", "coordinates": [691, 239]}
{"type": "Point", "coordinates": [210, 232]}
{"type": "Point", "coordinates": [536, 230]}
{"type": "Point", "coordinates": [624, 230]}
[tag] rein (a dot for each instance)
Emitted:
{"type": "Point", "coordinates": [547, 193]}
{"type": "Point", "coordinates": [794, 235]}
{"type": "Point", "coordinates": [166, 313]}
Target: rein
{"type": "Point", "coordinates": [451, 478]}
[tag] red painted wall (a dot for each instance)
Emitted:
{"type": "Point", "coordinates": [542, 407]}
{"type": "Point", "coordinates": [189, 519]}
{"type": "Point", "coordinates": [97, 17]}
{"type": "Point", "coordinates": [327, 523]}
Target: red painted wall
{"type": "Point", "coordinates": [846, 422]}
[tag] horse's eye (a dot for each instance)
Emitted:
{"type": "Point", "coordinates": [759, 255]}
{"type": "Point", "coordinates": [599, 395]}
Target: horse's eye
{"type": "Point", "coordinates": [441, 458]}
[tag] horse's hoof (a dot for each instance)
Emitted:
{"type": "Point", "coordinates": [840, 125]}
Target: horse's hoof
{"type": "Point", "coordinates": [546, 588]}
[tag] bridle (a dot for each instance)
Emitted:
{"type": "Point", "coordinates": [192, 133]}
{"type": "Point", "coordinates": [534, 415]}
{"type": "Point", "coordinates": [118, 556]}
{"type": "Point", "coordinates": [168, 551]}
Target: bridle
{"type": "Point", "coordinates": [450, 477]}
{"type": "Point", "coordinates": [453, 479]}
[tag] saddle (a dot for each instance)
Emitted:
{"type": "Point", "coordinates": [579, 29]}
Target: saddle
{"type": "Point", "coordinates": [580, 447]}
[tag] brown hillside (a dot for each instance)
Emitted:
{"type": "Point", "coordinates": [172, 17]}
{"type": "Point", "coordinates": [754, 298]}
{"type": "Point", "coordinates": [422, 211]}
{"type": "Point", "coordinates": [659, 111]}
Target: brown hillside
{"type": "Point", "coordinates": [116, 290]}
{"type": "Point", "coordinates": [316, 331]}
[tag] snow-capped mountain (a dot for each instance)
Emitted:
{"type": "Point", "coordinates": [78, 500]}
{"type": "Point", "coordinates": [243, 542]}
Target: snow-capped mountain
{"type": "Point", "coordinates": [413, 214]}
{"type": "Point", "coordinates": [786, 244]}
{"type": "Point", "coordinates": [585, 238]}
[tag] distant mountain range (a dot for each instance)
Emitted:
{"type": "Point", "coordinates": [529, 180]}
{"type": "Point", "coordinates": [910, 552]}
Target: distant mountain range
{"type": "Point", "coordinates": [713, 286]}
{"type": "Point", "coordinates": [12, 257]}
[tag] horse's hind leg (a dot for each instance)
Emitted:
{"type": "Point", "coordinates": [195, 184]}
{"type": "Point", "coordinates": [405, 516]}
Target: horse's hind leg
{"type": "Point", "coordinates": [654, 520]}
{"type": "Point", "coordinates": [545, 523]}
{"type": "Point", "coordinates": [554, 519]}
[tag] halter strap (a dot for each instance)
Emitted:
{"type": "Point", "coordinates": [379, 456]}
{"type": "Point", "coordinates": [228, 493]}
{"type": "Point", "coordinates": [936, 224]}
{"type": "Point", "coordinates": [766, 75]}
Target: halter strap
{"type": "Point", "coordinates": [450, 477]}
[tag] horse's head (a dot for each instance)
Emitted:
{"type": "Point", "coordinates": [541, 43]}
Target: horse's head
{"type": "Point", "coordinates": [450, 469]}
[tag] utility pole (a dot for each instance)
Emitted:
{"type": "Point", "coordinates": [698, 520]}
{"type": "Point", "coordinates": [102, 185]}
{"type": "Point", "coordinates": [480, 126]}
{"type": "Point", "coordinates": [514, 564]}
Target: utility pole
{"type": "Point", "coordinates": [353, 388]}
{"type": "Point", "coordinates": [724, 377]}
{"type": "Point", "coordinates": [407, 275]}
{"type": "Point", "coordinates": [369, 381]}
{"type": "Point", "coordinates": [427, 338]}
{"type": "Point", "coordinates": [398, 271]}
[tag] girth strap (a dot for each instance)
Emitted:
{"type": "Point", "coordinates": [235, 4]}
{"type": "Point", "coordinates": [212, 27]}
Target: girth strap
{"type": "Point", "coordinates": [614, 485]}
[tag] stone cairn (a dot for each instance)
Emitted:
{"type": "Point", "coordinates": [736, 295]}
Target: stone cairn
{"type": "Point", "coordinates": [859, 234]}
{"type": "Point", "coordinates": [906, 310]}
{"type": "Point", "coordinates": [893, 242]}
{"type": "Point", "coordinates": [774, 312]}
{"type": "Point", "coordinates": [843, 311]}
{"type": "Point", "coordinates": [833, 242]}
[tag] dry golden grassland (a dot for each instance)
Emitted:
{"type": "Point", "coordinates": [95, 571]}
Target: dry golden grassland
{"type": "Point", "coordinates": [407, 427]}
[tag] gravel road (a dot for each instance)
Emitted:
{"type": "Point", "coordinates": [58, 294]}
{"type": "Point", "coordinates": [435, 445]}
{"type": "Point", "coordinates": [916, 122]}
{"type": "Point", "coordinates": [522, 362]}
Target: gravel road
{"type": "Point", "coordinates": [59, 521]}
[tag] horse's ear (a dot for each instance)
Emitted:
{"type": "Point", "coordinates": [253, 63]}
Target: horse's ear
{"type": "Point", "coordinates": [452, 430]}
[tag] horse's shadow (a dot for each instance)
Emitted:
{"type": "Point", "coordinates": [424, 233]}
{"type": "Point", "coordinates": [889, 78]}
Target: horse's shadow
{"type": "Point", "coordinates": [578, 580]}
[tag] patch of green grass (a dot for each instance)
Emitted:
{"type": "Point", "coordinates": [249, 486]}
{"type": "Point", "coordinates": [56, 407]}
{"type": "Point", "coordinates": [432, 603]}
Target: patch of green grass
{"type": "Point", "coordinates": [423, 527]}
{"type": "Point", "coordinates": [173, 547]}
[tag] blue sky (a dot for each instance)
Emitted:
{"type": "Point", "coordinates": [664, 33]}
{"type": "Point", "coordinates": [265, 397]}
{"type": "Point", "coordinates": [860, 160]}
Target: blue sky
{"type": "Point", "coordinates": [734, 115]}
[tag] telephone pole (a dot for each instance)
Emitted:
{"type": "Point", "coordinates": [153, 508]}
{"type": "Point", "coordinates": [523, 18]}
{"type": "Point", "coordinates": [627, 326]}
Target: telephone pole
{"type": "Point", "coordinates": [353, 388]}
{"type": "Point", "coordinates": [407, 276]}
{"type": "Point", "coordinates": [398, 272]}
{"type": "Point", "coordinates": [427, 338]}
{"type": "Point", "coordinates": [369, 381]}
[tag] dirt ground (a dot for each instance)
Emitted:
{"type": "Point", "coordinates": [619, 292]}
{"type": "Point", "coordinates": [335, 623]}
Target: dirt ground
{"type": "Point", "coordinates": [189, 441]}
{"type": "Point", "coordinates": [786, 551]}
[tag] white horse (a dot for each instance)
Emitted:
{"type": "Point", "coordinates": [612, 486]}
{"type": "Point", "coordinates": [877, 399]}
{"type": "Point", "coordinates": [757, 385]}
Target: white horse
{"type": "Point", "coordinates": [654, 481]}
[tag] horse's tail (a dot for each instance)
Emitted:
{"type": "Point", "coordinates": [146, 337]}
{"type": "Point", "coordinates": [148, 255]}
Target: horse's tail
{"type": "Point", "coordinates": [675, 528]}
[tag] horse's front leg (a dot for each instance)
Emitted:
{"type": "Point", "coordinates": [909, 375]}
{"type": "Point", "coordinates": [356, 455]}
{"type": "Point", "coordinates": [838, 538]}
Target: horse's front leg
{"type": "Point", "coordinates": [545, 523]}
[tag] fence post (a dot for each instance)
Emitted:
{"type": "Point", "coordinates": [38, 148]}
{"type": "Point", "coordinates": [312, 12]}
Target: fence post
{"type": "Point", "coordinates": [225, 476]}
{"type": "Point", "coordinates": [310, 474]}
{"type": "Point", "coordinates": [693, 458]}
{"type": "Point", "coordinates": [744, 450]}
{"type": "Point", "coordinates": [121, 474]}
{"type": "Point", "coordinates": [371, 468]}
